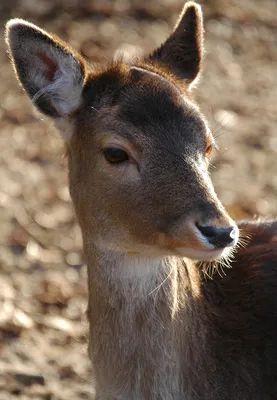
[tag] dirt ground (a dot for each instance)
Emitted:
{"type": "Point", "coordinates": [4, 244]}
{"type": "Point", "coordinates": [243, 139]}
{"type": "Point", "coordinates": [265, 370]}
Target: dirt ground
{"type": "Point", "coordinates": [43, 291]}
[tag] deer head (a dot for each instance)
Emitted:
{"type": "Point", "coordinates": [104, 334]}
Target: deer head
{"type": "Point", "coordinates": [138, 147]}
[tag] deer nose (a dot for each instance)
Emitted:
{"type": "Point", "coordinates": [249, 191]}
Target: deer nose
{"type": "Point", "coordinates": [219, 237]}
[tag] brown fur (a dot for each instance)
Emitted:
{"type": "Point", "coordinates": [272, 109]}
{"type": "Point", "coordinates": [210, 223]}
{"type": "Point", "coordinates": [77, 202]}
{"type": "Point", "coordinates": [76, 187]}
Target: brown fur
{"type": "Point", "coordinates": [159, 329]}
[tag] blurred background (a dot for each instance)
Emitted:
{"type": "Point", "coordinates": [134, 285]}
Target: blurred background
{"type": "Point", "coordinates": [43, 279]}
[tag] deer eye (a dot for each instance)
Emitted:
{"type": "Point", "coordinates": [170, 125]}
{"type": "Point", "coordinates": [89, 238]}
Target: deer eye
{"type": "Point", "coordinates": [115, 155]}
{"type": "Point", "coordinates": [208, 150]}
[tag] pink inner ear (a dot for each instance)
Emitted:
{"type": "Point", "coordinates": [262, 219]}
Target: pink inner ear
{"type": "Point", "coordinates": [51, 65]}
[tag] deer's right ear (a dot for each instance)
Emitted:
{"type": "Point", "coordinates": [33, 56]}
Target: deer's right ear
{"type": "Point", "coordinates": [52, 74]}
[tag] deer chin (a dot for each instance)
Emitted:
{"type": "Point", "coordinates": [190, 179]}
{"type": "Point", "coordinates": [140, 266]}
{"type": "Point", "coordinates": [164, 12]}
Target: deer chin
{"type": "Point", "coordinates": [203, 255]}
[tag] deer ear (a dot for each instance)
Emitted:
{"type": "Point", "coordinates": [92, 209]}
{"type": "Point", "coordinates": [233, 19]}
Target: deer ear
{"type": "Point", "coordinates": [183, 51]}
{"type": "Point", "coordinates": [52, 74]}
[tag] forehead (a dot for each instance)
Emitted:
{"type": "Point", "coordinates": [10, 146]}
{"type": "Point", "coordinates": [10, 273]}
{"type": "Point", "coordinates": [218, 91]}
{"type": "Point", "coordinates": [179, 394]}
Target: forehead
{"type": "Point", "coordinates": [157, 107]}
{"type": "Point", "coordinates": [146, 105]}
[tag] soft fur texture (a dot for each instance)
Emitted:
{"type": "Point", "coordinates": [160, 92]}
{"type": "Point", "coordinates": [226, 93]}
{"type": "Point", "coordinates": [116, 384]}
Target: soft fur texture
{"type": "Point", "coordinates": [182, 53]}
{"type": "Point", "coordinates": [160, 327]}
{"type": "Point", "coordinates": [50, 72]}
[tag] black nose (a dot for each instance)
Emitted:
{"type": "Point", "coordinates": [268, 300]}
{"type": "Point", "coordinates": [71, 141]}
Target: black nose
{"type": "Point", "coordinates": [219, 237]}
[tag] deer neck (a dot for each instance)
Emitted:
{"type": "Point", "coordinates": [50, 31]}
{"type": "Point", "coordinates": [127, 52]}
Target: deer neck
{"type": "Point", "coordinates": [137, 308]}
{"type": "Point", "coordinates": [140, 279]}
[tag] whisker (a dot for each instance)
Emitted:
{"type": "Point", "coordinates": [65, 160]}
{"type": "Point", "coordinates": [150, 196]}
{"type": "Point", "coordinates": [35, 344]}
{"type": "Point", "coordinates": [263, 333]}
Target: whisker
{"type": "Point", "coordinates": [162, 283]}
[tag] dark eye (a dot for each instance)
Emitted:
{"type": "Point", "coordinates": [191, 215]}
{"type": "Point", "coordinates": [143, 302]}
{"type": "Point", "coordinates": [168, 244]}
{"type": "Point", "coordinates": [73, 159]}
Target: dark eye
{"type": "Point", "coordinates": [115, 155]}
{"type": "Point", "coordinates": [208, 150]}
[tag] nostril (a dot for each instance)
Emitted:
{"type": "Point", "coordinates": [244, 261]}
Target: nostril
{"type": "Point", "coordinates": [219, 237]}
{"type": "Point", "coordinates": [208, 231]}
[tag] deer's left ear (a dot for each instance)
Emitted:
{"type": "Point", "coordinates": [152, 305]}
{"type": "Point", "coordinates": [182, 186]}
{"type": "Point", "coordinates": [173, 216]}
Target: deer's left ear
{"type": "Point", "coordinates": [182, 52]}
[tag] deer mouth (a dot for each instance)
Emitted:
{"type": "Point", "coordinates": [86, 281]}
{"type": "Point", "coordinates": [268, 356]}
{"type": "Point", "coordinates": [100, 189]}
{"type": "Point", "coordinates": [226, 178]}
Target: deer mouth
{"type": "Point", "coordinates": [200, 250]}
{"type": "Point", "coordinates": [203, 242]}
{"type": "Point", "coordinates": [202, 254]}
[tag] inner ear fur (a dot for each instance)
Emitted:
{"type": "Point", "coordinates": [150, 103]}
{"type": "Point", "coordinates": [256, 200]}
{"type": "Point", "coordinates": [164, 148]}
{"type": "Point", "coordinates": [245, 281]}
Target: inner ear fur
{"type": "Point", "coordinates": [182, 52]}
{"type": "Point", "coordinates": [50, 71]}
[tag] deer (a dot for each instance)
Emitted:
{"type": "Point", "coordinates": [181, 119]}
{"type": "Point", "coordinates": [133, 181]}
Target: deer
{"type": "Point", "coordinates": [164, 323]}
